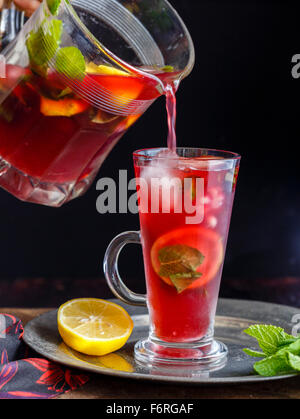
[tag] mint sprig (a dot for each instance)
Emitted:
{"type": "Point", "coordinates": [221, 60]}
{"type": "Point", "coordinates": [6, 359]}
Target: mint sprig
{"type": "Point", "coordinates": [42, 45]}
{"type": "Point", "coordinates": [71, 63]}
{"type": "Point", "coordinates": [53, 6]}
{"type": "Point", "coordinates": [179, 263]}
{"type": "Point", "coordinates": [280, 351]}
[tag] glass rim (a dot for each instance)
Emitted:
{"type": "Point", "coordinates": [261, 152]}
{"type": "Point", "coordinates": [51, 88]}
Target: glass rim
{"type": "Point", "coordinates": [183, 74]}
{"type": "Point", "coordinates": [227, 155]}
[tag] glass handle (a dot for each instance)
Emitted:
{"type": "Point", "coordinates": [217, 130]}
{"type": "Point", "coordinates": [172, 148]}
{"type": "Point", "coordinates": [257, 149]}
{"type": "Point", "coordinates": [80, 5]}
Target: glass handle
{"type": "Point", "coordinates": [110, 266]}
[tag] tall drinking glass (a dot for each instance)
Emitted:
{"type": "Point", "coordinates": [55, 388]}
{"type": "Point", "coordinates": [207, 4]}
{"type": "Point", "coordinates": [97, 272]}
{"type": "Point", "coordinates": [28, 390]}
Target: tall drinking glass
{"type": "Point", "coordinates": [185, 205]}
{"type": "Point", "coordinates": [77, 77]}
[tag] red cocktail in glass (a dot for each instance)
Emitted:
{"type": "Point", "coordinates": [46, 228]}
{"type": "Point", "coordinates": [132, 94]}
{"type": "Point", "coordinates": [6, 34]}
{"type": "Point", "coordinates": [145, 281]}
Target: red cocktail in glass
{"type": "Point", "coordinates": [185, 204]}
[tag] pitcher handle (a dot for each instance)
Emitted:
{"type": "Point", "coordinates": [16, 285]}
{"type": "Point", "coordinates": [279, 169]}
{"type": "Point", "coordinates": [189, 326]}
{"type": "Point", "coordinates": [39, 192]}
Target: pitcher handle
{"type": "Point", "coordinates": [11, 22]}
{"type": "Point", "coordinates": [110, 267]}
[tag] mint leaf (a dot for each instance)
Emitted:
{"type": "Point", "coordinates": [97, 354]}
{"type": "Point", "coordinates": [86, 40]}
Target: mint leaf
{"type": "Point", "coordinates": [179, 263]}
{"type": "Point", "coordinates": [182, 281]}
{"type": "Point", "coordinates": [293, 348]}
{"type": "Point", "coordinates": [276, 364]}
{"type": "Point", "coordinates": [66, 92]}
{"type": "Point", "coordinates": [168, 69]}
{"type": "Point", "coordinates": [255, 354]}
{"type": "Point", "coordinates": [270, 338]}
{"type": "Point", "coordinates": [190, 257]}
{"type": "Point", "coordinates": [283, 362]}
{"type": "Point", "coordinates": [294, 361]}
{"type": "Point", "coordinates": [42, 45]}
{"type": "Point", "coordinates": [6, 112]}
{"type": "Point", "coordinates": [281, 350]}
{"type": "Point", "coordinates": [53, 6]}
{"type": "Point", "coordinates": [176, 269]}
{"type": "Point", "coordinates": [71, 63]}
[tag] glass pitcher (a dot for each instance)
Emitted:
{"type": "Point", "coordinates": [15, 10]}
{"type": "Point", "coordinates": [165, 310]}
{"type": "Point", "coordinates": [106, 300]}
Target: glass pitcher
{"type": "Point", "coordinates": [77, 77]}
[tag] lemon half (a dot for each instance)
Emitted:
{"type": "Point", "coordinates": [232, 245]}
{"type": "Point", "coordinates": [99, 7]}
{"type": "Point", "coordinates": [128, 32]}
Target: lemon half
{"type": "Point", "coordinates": [93, 326]}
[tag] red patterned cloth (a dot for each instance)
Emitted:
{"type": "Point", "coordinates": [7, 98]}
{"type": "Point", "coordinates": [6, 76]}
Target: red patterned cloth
{"type": "Point", "coordinates": [24, 375]}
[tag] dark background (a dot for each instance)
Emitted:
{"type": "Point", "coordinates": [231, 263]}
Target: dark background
{"type": "Point", "coordinates": [241, 97]}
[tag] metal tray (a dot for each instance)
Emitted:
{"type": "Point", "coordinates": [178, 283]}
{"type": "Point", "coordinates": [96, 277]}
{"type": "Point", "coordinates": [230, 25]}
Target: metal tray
{"type": "Point", "coordinates": [233, 316]}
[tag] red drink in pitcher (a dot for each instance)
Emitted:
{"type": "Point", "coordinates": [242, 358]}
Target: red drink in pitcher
{"type": "Point", "coordinates": [77, 77]}
{"type": "Point", "coordinates": [53, 138]}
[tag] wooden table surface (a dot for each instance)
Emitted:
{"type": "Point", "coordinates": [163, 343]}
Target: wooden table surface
{"type": "Point", "coordinates": [105, 387]}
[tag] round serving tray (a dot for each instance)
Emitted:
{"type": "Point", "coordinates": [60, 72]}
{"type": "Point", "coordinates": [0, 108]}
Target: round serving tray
{"type": "Point", "coordinates": [233, 316]}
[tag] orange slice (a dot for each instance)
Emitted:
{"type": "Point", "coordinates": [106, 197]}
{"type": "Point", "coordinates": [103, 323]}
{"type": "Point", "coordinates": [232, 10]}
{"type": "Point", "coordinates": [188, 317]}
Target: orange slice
{"type": "Point", "coordinates": [206, 241]}
{"type": "Point", "coordinates": [62, 107]}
